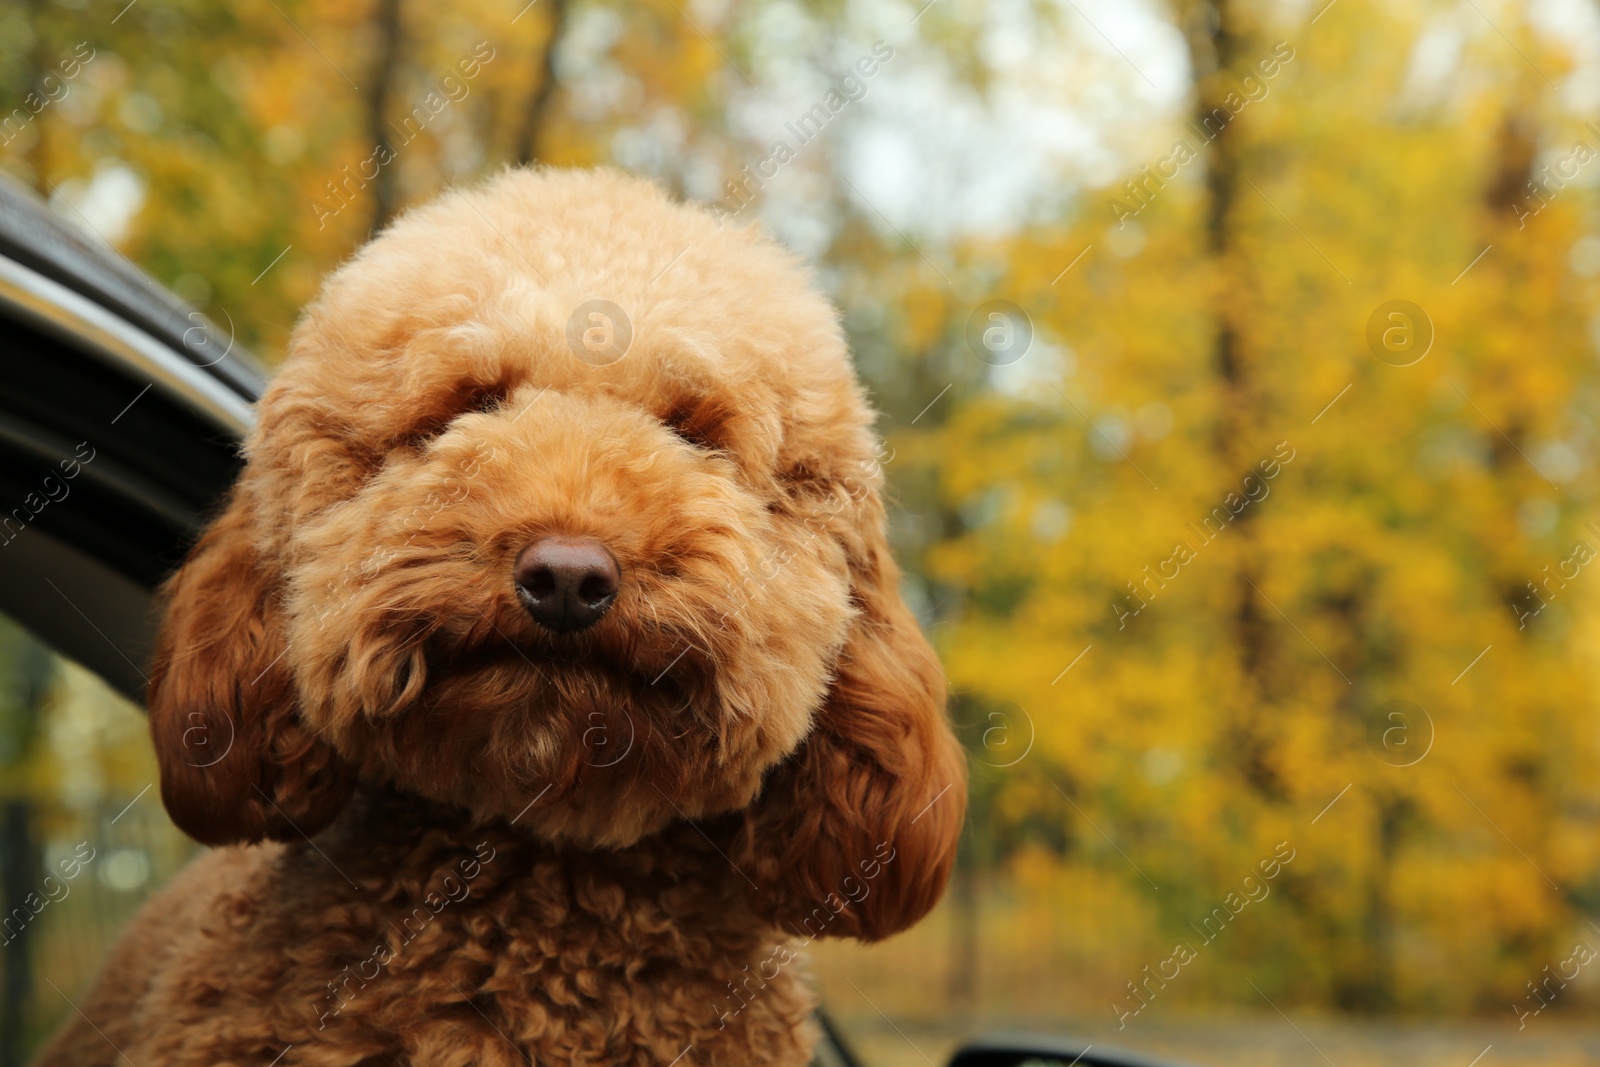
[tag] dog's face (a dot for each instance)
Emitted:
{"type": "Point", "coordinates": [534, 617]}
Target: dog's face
{"type": "Point", "coordinates": [563, 510]}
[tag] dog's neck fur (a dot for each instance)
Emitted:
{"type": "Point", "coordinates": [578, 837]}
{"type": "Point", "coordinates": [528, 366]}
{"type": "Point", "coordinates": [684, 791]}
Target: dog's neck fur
{"type": "Point", "coordinates": [427, 900]}
{"type": "Point", "coordinates": [386, 837]}
{"type": "Point", "coordinates": [408, 934]}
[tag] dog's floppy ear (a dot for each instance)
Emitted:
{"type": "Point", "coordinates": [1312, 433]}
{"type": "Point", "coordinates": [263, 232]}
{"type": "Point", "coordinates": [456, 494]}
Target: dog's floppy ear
{"type": "Point", "coordinates": [855, 834]}
{"type": "Point", "coordinates": [237, 763]}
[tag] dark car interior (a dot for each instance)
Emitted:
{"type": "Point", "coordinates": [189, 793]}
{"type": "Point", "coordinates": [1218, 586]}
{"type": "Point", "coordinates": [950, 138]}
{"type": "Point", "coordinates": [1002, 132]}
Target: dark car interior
{"type": "Point", "coordinates": [102, 363]}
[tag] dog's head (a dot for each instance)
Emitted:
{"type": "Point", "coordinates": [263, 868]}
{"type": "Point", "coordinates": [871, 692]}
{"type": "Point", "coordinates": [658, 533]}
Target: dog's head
{"type": "Point", "coordinates": [564, 509]}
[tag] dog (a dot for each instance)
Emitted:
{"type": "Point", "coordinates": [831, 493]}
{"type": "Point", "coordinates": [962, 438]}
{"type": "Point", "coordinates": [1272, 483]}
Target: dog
{"type": "Point", "coordinates": [544, 684]}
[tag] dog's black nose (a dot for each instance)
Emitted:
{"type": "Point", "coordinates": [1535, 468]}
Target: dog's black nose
{"type": "Point", "coordinates": [566, 583]}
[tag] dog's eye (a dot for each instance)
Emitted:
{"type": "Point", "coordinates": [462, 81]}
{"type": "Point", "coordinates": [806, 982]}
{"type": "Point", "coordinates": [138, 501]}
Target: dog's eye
{"type": "Point", "coordinates": [482, 400]}
{"type": "Point", "coordinates": [682, 422]}
{"type": "Point", "coordinates": [803, 481]}
{"type": "Point", "coordinates": [487, 400]}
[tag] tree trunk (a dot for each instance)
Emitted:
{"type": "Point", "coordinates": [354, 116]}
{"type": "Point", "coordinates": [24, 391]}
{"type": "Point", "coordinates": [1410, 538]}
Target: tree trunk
{"type": "Point", "coordinates": [1214, 41]}
{"type": "Point", "coordinates": [386, 72]}
{"type": "Point", "coordinates": [19, 867]}
{"type": "Point", "coordinates": [38, 61]}
{"type": "Point", "coordinates": [964, 936]}
{"type": "Point", "coordinates": [529, 148]}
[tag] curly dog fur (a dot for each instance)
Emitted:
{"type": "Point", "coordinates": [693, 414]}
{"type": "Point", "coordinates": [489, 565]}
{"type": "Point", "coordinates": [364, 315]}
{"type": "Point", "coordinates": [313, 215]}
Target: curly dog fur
{"type": "Point", "coordinates": [448, 835]}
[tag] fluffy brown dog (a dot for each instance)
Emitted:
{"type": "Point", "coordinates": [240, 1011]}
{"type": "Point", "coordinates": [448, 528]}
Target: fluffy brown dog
{"type": "Point", "coordinates": [545, 678]}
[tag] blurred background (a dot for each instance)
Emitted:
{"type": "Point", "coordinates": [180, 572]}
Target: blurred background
{"type": "Point", "coordinates": [1239, 362]}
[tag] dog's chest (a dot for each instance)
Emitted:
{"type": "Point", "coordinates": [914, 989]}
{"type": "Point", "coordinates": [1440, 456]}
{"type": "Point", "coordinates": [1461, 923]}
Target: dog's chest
{"type": "Point", "coordinates": [486, 954]}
